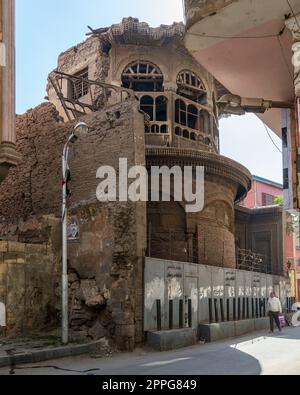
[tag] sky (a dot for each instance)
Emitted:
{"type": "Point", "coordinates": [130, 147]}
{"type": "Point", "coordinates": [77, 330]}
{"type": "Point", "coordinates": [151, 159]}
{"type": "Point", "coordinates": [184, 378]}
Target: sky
{"type": "Point", "coordinates": [47, 28]}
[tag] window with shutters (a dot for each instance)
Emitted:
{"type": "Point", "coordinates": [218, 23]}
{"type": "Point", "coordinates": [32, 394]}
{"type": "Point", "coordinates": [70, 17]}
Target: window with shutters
{"type": "Point", "coordinates": [267, 200]}
{"type": "Point", "coordinates": [80, 86]}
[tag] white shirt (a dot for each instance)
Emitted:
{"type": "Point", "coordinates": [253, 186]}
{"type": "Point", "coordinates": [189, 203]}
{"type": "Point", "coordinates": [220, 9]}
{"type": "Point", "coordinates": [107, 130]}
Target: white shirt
{"type": "Point", "coordinates": [275, 305]}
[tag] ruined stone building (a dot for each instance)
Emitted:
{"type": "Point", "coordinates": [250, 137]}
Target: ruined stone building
{"type": "Point", "coordinates": [145, 98]}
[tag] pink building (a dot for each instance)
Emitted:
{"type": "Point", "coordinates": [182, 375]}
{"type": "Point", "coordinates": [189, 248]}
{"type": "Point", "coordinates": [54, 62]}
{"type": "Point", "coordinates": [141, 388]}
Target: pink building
{"type": "Point", "coordinates": [263, 194]}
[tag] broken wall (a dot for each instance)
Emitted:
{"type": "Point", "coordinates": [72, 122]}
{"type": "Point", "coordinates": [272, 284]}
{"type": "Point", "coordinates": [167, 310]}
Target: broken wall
{"type": "Point", "coordinates": [106, 260]}
{"type": "Point", "coordinates": [28, 287]}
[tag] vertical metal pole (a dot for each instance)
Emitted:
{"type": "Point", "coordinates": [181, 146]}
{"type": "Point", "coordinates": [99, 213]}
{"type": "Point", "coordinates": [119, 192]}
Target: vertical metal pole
{"type": "Point", "coordinates": [65, 321]}
{"type": "Point", "coordinates": [181, 313]}
{"type": "Point", "coordinates": [210, 310]}
{"type": "Point", "coordinates": [248, 308]}
{"type": "Point", "coordinates": [234, 309]}
{"type": "Point", "coordinates": [216, 310]}
{"type": "Point", "coordinates": [158, 314]}
{"type": "Point", "coordinates": [190, 317]}
{"type": "Point", "coordinates": [171, 323]}
{"type": "Point", "coordinates": [222, 310]}
{"type": "Point", "coordinates": [228, 309]}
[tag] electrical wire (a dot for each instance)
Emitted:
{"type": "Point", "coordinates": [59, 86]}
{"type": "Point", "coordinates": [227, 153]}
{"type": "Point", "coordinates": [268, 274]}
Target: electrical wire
{"type": "Point", "coordinates": [235, 37]}
{"type": "Point", "coordinates": [89, 371]}
{"type": "Point", "coordinates": [271, 138]}
{"type": "Point", "coordinates": [284, 58]}
{"type": "Point", "coordinates": [277, 36]}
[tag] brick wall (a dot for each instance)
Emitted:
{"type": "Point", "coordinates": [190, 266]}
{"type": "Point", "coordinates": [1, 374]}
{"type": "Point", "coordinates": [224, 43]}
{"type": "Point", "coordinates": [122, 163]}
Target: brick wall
{"type": "Point", "coordinates": [106, 262]}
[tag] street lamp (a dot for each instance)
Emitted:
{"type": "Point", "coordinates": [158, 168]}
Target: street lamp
{"type": "Point", "coordinates": [237, 105]}
{"type": "Point", "coordinates": [80, 130]}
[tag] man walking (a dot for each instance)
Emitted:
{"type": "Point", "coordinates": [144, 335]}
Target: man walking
{"type": "Point", "coordinates": [275, 309]}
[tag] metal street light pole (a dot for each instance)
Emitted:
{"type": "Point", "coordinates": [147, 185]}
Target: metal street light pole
{"type": "Point", "coordinates": [82, 129]}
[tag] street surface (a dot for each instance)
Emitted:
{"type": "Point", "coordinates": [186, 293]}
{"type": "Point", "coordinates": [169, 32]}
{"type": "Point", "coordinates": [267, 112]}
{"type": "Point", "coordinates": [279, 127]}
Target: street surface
{"type": "Point", "coordinates": [259, 354]}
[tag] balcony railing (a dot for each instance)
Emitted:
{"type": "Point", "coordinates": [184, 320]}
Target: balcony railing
{"type": "Point", "coordinates": [253, 262]}
{"type": "Point", "coordinates": [95, 94]}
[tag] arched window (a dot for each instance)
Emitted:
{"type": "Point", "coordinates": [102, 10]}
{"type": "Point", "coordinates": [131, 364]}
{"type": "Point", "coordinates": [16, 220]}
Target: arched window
{"type": "Point", "coordinates": [164, 129]}
{"type": "Point", "coordinates": [157, 110]}
{"type": "Point", "coordinates": [207, 141]}
{"type": "Point", "coordinates": [191, 86]}
{"type": "Point", "coordinates": [180, 112]}
{"type": "Point", "coordinates": [143, 77]}
{"type": "Point", "coordinates": [147, 105]}
{"type": "Point", "coordinates": [193, 136]}
{"type": "Point", "coordinates": [204, 122]}
{"type": "Point", "coordinates": [161, 108]}
{"type": "Point", "coordinates": [155, 129]}
{"type": "Point", "coordinates": [186, 134]}
{"type": "Point", "coordinates": [178, 131]}
{"type": "Point", "coordinates": [192, 117]}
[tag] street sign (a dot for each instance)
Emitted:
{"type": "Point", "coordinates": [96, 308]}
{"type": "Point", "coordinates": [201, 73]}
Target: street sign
{"type": "Point", "coordinates": [73, 229]}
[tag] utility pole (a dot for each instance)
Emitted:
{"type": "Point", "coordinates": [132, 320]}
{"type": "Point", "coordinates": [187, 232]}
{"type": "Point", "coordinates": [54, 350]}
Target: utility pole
{"type": "Point", "coordinates": [82, 129]}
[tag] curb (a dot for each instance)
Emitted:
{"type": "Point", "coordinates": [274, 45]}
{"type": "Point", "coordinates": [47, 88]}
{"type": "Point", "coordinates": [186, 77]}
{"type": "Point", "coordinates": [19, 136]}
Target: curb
{"type": "Point", "coordinates": [49, 354]}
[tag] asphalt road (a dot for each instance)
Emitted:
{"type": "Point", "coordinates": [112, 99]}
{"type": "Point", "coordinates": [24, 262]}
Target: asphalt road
{"type": "Point", "coordinates": [258, 354]}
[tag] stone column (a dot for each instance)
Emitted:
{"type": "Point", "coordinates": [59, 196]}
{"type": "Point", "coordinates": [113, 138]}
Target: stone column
{"type": "Point", "coordinates": [294, 27]}
{"type": "Point", "coordinates": [8, 154]}
{"type": "Point", "coordinates": [8, 72]}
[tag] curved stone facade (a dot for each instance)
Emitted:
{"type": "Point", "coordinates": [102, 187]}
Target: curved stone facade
{"type": "Point", "coordinates": [226, 182]}
{"type": "Point", "coordinates": [195, 10]}
{"type": "Point", "coordinates": [178, 98]}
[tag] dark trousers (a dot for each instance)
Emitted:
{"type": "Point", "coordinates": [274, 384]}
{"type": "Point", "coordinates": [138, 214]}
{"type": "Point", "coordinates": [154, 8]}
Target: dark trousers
{"type": "Point", "coordinates": [274, 316]}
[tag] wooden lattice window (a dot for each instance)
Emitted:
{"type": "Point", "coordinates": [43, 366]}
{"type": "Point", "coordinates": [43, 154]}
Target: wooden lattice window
{"type": "Point", "coordinates": [191, 87]}
{"type": "Point", "coordinates": [267, 200]}
{"type": "Point", "coordinates": [143, 77]}
{"type": "Point", "coordinates": [80, 86]}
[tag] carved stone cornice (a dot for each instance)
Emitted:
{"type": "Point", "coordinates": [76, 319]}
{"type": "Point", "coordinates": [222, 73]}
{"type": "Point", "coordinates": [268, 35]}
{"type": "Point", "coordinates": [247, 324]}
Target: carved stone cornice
{"type": "Point", "coordinates": [132, 31]}
{"type": "Point", "coordinates": [214, 164]}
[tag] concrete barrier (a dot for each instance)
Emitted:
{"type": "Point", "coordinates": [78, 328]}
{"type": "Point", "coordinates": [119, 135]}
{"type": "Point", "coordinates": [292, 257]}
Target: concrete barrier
{"type": "Point", "coordinates": [226, 330]}
{"type": "Point", "coordinates": [172, 339]}
{"type": "Point", "coordinates": [214, 332]}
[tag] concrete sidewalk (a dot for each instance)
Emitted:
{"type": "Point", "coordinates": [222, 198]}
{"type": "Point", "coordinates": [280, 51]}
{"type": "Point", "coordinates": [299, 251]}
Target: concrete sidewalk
{"type": "Point", "coordinates": [256, 354]}
{"type": "Point", "coordinates": [32, 350]}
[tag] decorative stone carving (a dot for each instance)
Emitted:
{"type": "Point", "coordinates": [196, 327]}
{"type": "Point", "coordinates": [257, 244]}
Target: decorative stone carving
{"type": "Point", "coordinates": [132, 31]}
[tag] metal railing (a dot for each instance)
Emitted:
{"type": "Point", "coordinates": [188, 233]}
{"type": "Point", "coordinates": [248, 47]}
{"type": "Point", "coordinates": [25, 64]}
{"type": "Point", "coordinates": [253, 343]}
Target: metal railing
{"type": "Point", "coordinates": [253, 262]}
{"type": "Point", "coordinates": [96, 94]}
